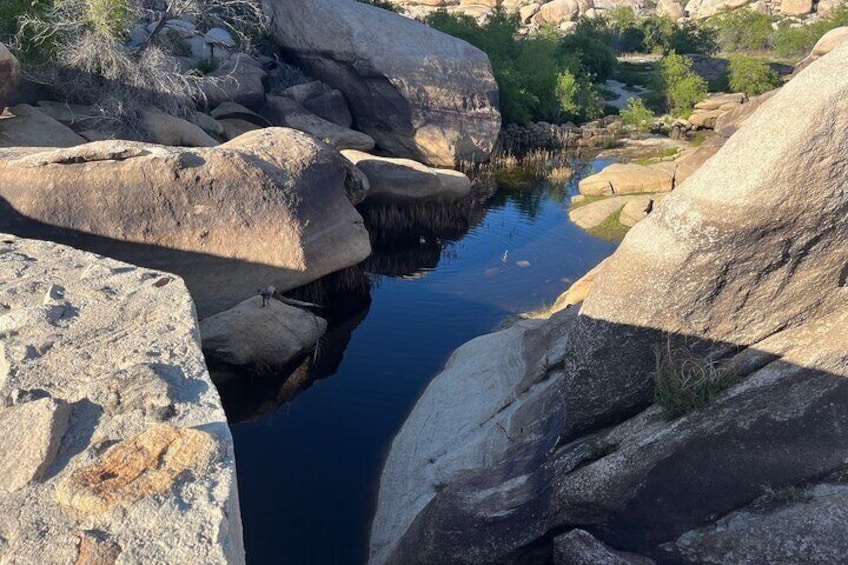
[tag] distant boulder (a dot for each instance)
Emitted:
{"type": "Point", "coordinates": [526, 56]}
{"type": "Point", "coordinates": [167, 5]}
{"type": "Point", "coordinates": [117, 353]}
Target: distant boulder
{"type": "Point", "coordinates": [418, 92]}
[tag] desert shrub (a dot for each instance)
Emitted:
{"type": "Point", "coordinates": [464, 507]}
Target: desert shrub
{"type": "Point", "coordinates": [685, 381]}
{"type": "Point", "coordinates": [11, 11]}
{"type": "Point", "coordinates": [546, 77]}
{"type": "Point", "coordinates": [682, 87]}
{"type": "Point", "coordinates": [742, 30]}
{"type": "Point", "coordinates": [636, 115]}
{"type": "Point", "coordinates": [77, 47]}
{"type": "Point", "coordinates": [751, 76]}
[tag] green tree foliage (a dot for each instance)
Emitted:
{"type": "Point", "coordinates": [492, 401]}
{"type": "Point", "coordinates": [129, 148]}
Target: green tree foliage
{"type": "Point", "coordinates": [636, 115]}
{"type": "Point", "coordinates": [683, 88]}
{"type": "Point", "coordinates": [742, 30]}
{"type": "Point", "coordinates": [546, 77]}
{"type": "Point", "coordinates": [630, 33]}
{"type": "Point", "coordinates": [751, 76]}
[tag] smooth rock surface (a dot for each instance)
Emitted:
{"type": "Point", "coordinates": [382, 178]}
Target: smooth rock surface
{"type": "Point", "coordinates": [419, 93]}
{"type": "Point", "coordinates": [406, 179]}
{"type": "Point", "coordinates": [263, 336]}
{"type": "Point", "coordinates": [626, 178]}
{"type": "Point", "coordinates": [115, 349]}
{"type": "Point", "coordinates": [165, 129]}
{"type": "Point", "coordinates": [269, 207]}
{"type": "Point", "coordinates": [25, 126]}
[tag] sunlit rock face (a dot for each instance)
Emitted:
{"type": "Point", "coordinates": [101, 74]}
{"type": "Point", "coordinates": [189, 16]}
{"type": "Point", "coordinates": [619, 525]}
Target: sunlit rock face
{"type": "Point", "coordinates": [270, 207]}
{"type": "Point", "coordinates": [418, 92]}
{"type": "Point", "coordinates": [549, 426]}
{"type": "Point", "coordinates": [114, 445]}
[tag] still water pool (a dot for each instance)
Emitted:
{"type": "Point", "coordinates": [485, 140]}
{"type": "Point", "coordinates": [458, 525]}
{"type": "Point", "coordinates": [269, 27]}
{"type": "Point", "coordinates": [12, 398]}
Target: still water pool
{"type": "Point", "coordinates": [310, 452]}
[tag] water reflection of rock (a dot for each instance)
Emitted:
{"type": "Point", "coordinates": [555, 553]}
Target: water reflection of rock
{"type": "Point", "coordinates": [408, 239]}
{"type": "Point", "coordinates": [248, 395]}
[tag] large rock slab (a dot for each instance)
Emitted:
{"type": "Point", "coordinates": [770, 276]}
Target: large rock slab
{"type": "Point", "coordinates": [269, 207]}
{"type": "Point", "coordinates": [794, 526]}
{"type": "Point", "coordinates": [419, 93]}
{"type": "Point", "coordinates": [108, 387]}
{"type": "Point", "coordinates": [579, 547]}
{"type": "Point", "coordinates": [263, 335]}
{"type": "Point", "coordinates": [626, 178]}
{"type": "Point", "coordinates": [406, 179]}
{"type": "Point", "coordinates": [10, 76]}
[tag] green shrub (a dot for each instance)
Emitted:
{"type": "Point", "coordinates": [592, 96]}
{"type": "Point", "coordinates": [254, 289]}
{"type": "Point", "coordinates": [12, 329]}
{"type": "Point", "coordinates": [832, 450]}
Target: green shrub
{"type": "Point", "coordinates": [636, 115]}
{"type": "Point", "coordinates": [684, 381]}
{"type": "Point", "coordinates": [682, 87]}
{"type": "Point", "coordinates": [751, 76]}
{"type": "Point", "coordinates": [742, 30]}
{"type": "Point", "coordinates": [546, 77]}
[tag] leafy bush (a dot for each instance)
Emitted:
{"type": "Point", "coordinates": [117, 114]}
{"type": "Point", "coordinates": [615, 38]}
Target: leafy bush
{"type": "Point", "coordinates": [751, 76]}
{"type": "Point", "coordinates": [546, 77]}
{"type": "Point", "coordinates": [684, 381]}
{"type": "Point", "coordinates": [636, 115]}
{"type": "Point", "coordinates": [682, 87]}
{"type": "Point", "coordinates": [742, 30]}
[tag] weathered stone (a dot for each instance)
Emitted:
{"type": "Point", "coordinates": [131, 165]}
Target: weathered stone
{"type": "Point", "coordinates": [796, 7]}
{"type": "Point", "coordinates": [419, 93]}
{"type": "Point", "coordinates": [703, 9]}
{"type": "Point", "coordinates": [170, 130]}
{"type": "Point", "coordinates": [233, 111]}
{"type": "Point", "coordinates": [147, 464]}
{"type": "Point", "coordinates": [626, 178]}
{"type": "Point", "coordinates": [10, 76]}
{"type": "Point", "coordinates": [408, 179]}
{"type": "Point", "coordinates": [207, 123]}
{"type": "Point", "coordinates": [240, 79]}
{"type": "Point", "coordinates": [332, 107]}
{"type": "Point", "coordinates": [637, 209]}
{"type": "Point", "coordinates": [593, 214]}
{"type": "Point", "coordinates": [68, 114]}
{"type": "Point", "coordinates": [579, 547]}
{"type": "Point", "coordinates": [30, 434]}
{"type": "Point", "coordinates": [268, 335]}
{"type": "Point", "coordinates": [671, 8]}
{"type": "Point", "coordinates": [25, 126]}
{"type": "Point", "coordinates": [284, 111]}
{"type": "Point", "coordinates": [802, 526]}
{"type": "Point", "coordinates": [705, 119]}
{"type": "Point", "coordinates": [825, 45]}
{"type": "Point", "coordinates": [124, 356]}
{"type": "Point", "coordinates": [96, 548]}
{"type": "Point", "coordinates": [233, 128]}
{"type": "Point", "coordinates": [266, 208]}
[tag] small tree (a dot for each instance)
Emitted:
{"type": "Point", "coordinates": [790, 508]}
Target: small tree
{"type": "Point", "coordinates": [636, 115]}
{"type": "Point", "coordinates": [682, 87]}
{"type": "Point", "coordinates": [751, 76]}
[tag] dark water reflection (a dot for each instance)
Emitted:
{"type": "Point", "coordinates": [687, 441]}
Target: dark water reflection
{"type": "Point", "coordinates": [310, 447]}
